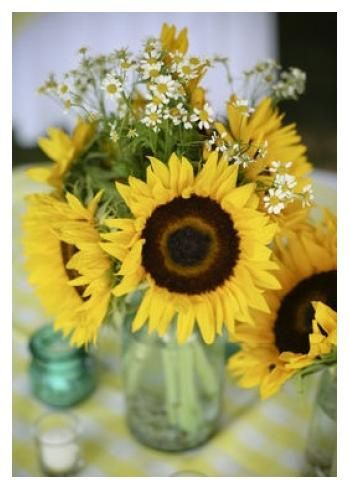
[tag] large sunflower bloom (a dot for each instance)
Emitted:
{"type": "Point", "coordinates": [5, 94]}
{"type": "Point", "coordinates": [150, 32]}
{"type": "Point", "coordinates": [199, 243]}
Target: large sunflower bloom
{"type": "Point", "coordinates": [63, 150]}
{"type": "Point", "coordinates": [71, 273]}
{"type": "Point", "coordinates": [200, 244]}
{"type": "Point", "coordinates": [302, 325]}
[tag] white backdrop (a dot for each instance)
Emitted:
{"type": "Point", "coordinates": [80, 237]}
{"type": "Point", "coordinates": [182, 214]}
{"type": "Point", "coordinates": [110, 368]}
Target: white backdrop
{"type": "Point", "coordinates": [51, 40]}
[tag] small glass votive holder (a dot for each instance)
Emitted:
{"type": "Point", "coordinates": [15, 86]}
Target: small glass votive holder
{"type": "Point", "coordinates": [57, 438]}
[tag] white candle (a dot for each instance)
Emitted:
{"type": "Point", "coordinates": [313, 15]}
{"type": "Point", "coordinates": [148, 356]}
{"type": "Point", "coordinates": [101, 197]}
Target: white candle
{"type": "Point", "coordinates": [59, 451]}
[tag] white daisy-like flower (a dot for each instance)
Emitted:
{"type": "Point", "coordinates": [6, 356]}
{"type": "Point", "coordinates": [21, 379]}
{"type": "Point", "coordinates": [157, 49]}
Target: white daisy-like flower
{"type": "Point", "coordinates": [187, 122]}
{"type": "Point", "coordinates": [176, 114]}
{"type": "Point", "coordinates": [243, 107]}
{"type": "Point", "coordinates": [186, 70]}
{"type": "Point", "coordinates": [112, 86]}
{"type": "Point", "coordinates": [152, 48]}
{"type": "Point", "coordinates": [286, 183]}
{"type": "Point", "coordinates": [153, 116]}
{"type": "Point", "coordinates": [165, 88]}
{"type": "Point", "coordinates": [273, 201]}
{"type": "Point", "coordinates": [176, 59]}
{"type": "Point", "coordinates": [154, 100]}
{"type": "Point", "coordinates": [151, 70]}
{"type": "Point", "coordinates": [280, 167]}
{"type": "Point", "coordinates": [243, 159]}
{"type": "Point", "coordinates": [307, 196]}
{"type": "Point", "coordinates": [217, 142]}
{"type": "Point", "coordinates": [285, 179]}
{"type": "Point", "coordinates": [203, 116]}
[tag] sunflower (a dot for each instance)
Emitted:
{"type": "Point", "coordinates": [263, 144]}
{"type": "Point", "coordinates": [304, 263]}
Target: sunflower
{"type": "Point", "coordinates": [70, 272]}
{"type": "Point", "coordinates": [63, 150]}
{"type": "Point", "coordinates": [267, 144]}
{"type": "Point", "coordinates": [198, 242]}
{"type": "Point", "coordinates": [302, 325]}
{"type": "Point", "coordinates": [263, 128]}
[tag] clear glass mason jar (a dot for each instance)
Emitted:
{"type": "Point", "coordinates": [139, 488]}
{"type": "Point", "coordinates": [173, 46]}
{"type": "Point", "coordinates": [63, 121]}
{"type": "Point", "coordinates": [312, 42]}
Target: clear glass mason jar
{"type": "Point", "coordinates": [61, 375]}
{"type": "Point", "coordinates": [173, 392]}
{"type": "Point", "coordinates": [321, 451]}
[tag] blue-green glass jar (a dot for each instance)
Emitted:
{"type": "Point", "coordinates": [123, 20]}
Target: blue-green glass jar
{"type": "Point", "coordinates": [61, 375]}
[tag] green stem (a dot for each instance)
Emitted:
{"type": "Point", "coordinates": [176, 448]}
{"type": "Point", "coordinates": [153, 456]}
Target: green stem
{"type": "Point", "coordinates": [205, 371]}
{"type": "Point", "coordinates": [189, 410]}
{"type": "Point", "coordinates": [137, 356]}
{"type": "Point", "coordinates": [171, 383]}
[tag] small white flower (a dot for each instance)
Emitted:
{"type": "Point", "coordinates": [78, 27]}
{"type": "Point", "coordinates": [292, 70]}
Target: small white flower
{"type": "Point", "coordinates": [243, 107]}
{"type": "Point", "coordinates": [285, 183]}
{"type": "Point", "coordinates": [112, 86]}
{"type": "Point", "coordinates": [203, 117]}
{"type": "Point", "coordinates": [132, 133]}
{"type": "Point", "coordinates": [113, 135]}
{"type": "Point", "coordinates": [176, 59]}
{"type": "Point", "coordinates": [152, 48]}
{"type": "Point", "coordinates": [280, 167]}
{"type": "Point", "coordinates": [153, 117]}
{"type": "Point", "coordinates": [243, 159]}
{"type": "Point", "coordinates": [273, 202]}
{"type": "Point", "coordinates": [151, 70]}
{"type": "Point", "coordinates": [154, 100]}
{"type": "Point", "coordinates": [187, 122]}
{"type": "Point", "coordinates": [176, 114]}
{"type": "Point", "coordinates": [165, 88]}
{"type": "Point", "coordinates": [307, 196]}
{"type": "Point", "coordinates": [217, 142]}
{"type": "Point", "coordinates": [186, 70]}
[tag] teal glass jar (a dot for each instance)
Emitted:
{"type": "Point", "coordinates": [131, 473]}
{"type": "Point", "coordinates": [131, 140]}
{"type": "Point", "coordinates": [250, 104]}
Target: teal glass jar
{"type": "Point", "coordinates": [173, 392]}
{"type": "Point", "coordinates": [61, 375]}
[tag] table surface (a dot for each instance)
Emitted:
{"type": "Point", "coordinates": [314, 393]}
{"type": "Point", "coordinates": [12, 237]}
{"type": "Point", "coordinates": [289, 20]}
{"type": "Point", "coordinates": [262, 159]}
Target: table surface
{"type": "Point", "coordinates": [257, 438]}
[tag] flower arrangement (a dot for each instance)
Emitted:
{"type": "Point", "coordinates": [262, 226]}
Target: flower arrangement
{"type": "Point", "coordinates": [193, 221]}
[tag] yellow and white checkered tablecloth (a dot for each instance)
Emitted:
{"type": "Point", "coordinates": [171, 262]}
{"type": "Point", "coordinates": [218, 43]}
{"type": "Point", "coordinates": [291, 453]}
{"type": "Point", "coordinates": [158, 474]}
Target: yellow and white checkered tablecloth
{"type": "Point", "coordinates": [256, 439]}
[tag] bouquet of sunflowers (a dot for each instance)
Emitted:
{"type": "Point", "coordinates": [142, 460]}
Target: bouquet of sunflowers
{"type": "Point", "coordinates": [190, 221]}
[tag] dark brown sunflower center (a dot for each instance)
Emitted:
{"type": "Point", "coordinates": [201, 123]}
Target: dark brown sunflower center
{"type": "Point", "coordinates": [188, 246]}
{"type": "Point", "coordinates": [294, 321]}
{"type": "Point", "coordinates": [191, 245]}
{"type": "Point", "coordinates": [68, 251]}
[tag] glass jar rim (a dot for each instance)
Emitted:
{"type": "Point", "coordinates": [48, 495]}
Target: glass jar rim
{"type": "Point", "coordinates": [67, 415]}
{"type": "Point", "coordinates": [50, 345]}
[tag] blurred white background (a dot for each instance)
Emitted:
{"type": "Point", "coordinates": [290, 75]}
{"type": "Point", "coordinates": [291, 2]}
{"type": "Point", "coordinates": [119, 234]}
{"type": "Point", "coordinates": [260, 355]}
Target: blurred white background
{"type": "Point", "coordinates": [48, 42]}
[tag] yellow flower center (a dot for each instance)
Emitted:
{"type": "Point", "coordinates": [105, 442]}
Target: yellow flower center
{"type": "Point", "coordinates": [154, 72]}
{"type": "Point", "coordinates": [112, 88]}
{"type": "Point", "coordinates": [186, 69]}
{"type": "Point", "coordinates": [274, 200]}
{"type": "Point", "coordinates": [162, 88]}
{"type": "Point", "coordinates": [153, 117]}
{"type": "Point", "coordinates": [203, 116]}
